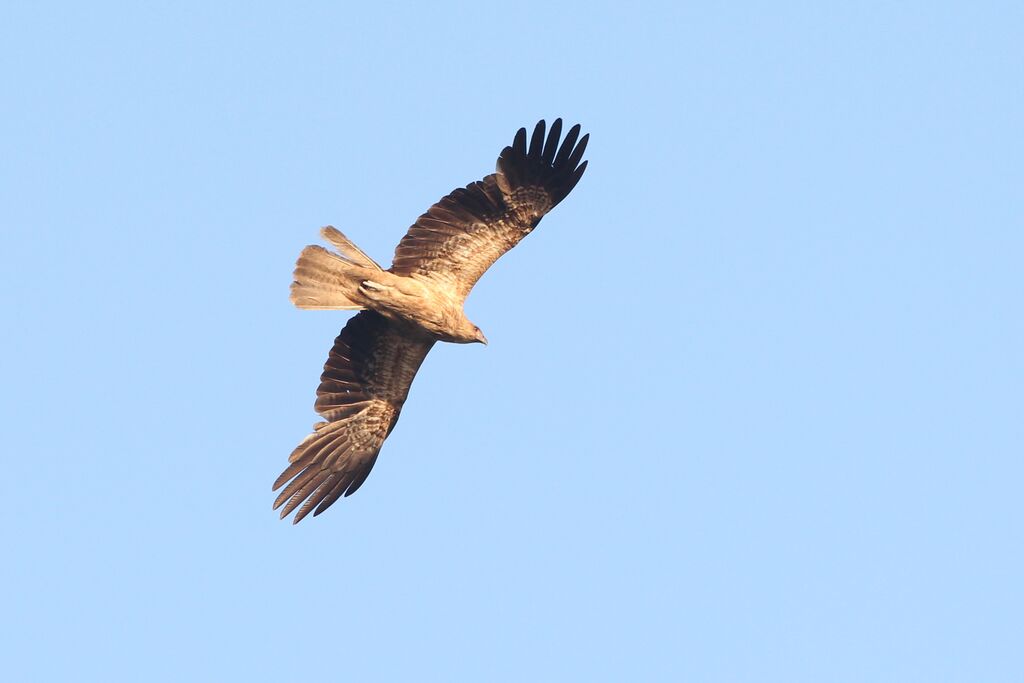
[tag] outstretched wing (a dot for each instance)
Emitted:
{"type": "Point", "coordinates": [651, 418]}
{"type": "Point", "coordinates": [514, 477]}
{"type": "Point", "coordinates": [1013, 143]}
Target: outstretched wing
{"type": "Point", "coordinates": [364, 384]}
{"type": "Point", "coordinates": [459, 238]}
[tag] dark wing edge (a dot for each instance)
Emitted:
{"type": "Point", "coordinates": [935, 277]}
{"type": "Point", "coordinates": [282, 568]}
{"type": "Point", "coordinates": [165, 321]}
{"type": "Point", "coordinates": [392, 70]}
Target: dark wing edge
{"type": "Point", "coordinates": [365, 382]}
{"type": "Point", "coordinates": [464, 233]}
{"type": "Point", "coordinates": [535, 179]}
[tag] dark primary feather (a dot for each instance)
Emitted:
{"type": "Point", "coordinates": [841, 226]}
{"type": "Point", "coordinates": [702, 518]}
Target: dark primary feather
{"type": "Point", "coordinates": [459, 237]}
{"type": "Point", "coordinates": [364, 384]}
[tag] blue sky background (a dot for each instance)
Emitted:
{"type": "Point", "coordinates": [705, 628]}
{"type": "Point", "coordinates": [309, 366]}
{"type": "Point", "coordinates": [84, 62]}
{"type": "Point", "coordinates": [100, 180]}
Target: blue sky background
{"type": "Point", "coordinates": [752, 407]}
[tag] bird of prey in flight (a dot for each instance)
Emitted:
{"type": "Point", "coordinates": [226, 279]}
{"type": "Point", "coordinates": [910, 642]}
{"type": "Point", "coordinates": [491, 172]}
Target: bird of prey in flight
{"type": "Point", "coordinates": [405, 309]}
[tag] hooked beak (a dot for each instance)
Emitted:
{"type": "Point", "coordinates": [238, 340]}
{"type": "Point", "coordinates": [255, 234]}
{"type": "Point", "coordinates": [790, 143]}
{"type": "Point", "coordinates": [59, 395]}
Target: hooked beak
{"type": "Point", "coordinates": [481, 338]}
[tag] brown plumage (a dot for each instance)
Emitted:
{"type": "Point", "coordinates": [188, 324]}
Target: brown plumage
{"type": "Point", "coordinates": [410, 306]}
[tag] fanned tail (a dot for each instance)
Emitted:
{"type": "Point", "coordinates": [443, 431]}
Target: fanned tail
{"type": "Point", "coordinates": [326, 280]}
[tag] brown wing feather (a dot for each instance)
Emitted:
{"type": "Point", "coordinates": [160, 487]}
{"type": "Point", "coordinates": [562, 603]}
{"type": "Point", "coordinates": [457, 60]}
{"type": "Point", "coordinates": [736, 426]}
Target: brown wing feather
{"type": "Point", "coordinates": [364, 384]}
{"type": "Point", "coordinates": [459, 238]}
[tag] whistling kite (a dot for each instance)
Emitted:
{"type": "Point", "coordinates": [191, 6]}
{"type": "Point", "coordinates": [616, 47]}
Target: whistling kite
{"type": "Point", "coordinates": [408, 307]}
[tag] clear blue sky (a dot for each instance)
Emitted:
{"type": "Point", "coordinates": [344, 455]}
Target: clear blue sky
{"type": "Point", "coordinates": [752, 407]}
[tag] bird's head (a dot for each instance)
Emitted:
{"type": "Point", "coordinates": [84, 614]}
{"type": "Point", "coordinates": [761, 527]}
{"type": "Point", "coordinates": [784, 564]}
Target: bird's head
{"type": "Point", "coordinates": [478, 335]}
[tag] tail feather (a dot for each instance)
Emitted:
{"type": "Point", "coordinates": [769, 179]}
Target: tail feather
{"type": "Point", "coordinates": [349, 251]}
{"type": "Point", "coordinates": [324, 280]}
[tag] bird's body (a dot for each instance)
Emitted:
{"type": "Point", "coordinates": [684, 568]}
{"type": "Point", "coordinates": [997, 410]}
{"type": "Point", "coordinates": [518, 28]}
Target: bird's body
{"type": "Point", "coordinates": [409, 307]}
